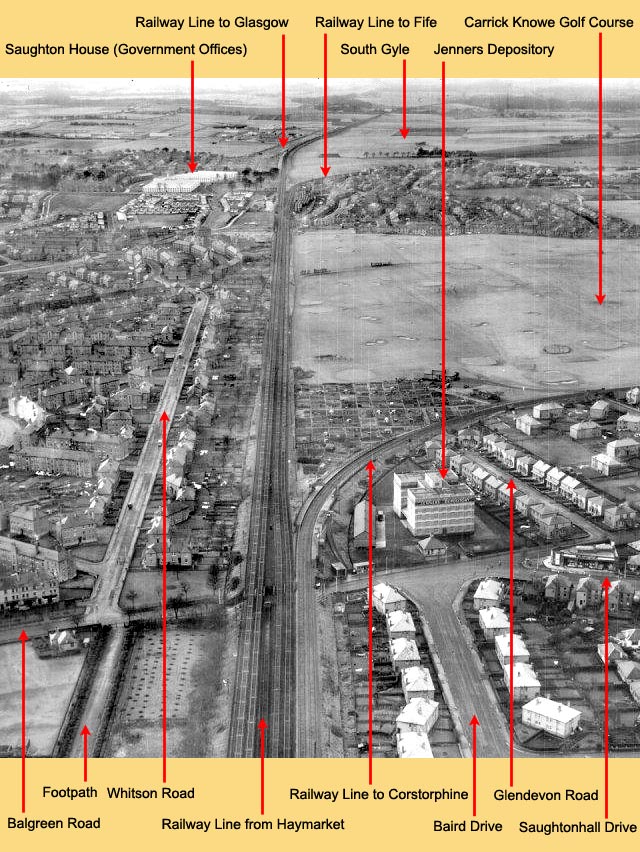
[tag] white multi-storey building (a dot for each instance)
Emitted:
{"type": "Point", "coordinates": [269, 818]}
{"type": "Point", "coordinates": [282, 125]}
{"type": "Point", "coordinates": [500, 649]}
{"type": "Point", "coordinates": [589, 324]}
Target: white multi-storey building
{"type": "Point", "coordinates": [402, 482]}
{"type": "Point", "coordinates": [437, 507]}
{"type": "Point", "coordinates": [187, 182]}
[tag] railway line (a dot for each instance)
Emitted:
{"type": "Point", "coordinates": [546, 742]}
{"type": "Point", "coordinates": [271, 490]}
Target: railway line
{"type": "Point", "coordinates": [273, 616]}
{"type": "Point", "coordinates": [265, 669]}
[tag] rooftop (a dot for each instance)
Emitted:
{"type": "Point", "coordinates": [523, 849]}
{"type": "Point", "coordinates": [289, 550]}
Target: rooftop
{"type": "Point", "coordinates": [523, 675]}
{"type": "Point", "coordinates": [489, 589]}
{"type": "Point", "coordinates": [503, 644]}
{"type": "Point", "coordinates": [404, 649]}
{"type": "Point", "coordinates": [414, 744]}
{"type": "Point", "coordinates": [386, 593]}
{"type": "Point", "coordinates": [416, 678]}
{"type": "Point", "coordinates": [493, 617]}
{"type": "Point", "coordinates": [400, 622]}
{"type": "Point", "coordinates": [552, 709]}
{"type": "Point", "coordinates": [417, 711]}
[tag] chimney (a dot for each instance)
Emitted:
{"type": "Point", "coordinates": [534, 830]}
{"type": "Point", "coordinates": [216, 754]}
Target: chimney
{"type": "Point", "coordinates": [380, 531]}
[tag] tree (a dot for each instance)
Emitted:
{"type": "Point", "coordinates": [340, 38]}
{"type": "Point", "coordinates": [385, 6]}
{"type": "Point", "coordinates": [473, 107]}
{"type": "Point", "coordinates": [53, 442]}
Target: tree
{"type": "Point", "coordinates": [176, 603]}
{"type": "Point", "coordinates": [131, 597]}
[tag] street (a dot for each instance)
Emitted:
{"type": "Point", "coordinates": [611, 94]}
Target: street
{"type": "Point", "coordinates": [103, 606]}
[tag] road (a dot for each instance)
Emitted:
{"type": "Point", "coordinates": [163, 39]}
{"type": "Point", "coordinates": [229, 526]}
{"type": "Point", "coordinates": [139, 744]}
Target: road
{"type": "Point", "coordinates": [46, 205]}
{"type": "Point", "coordinates": [310, 725]}
{"type": "Point", "coordinates": [103, 606]}
{"type": "Point", "coordinates": [13, 267]}
{"type": "Point", "coordinates": [435, 591]}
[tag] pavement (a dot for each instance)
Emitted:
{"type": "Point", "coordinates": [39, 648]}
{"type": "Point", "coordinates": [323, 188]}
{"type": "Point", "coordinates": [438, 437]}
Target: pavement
{"type": "Point", "coordinates": [101, 689]}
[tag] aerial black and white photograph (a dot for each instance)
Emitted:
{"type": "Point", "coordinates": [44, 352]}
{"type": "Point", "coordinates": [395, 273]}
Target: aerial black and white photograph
{"type": "Point", "coordinates": [319, 426]}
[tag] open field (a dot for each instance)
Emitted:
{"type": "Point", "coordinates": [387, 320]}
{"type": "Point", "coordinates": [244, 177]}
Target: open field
{"type": "Point", "coordinates": [75, 203]}
{"type": "Point", "coordinates": [550, 139]}
{"type": "Point", "coordinates": [380, 138]}
{"type": "Point", "coordinates": [143, 589]}
{"type": "Point", "coordinates": [194, 682]}
{"type": "Point", "coordinates": [50, 684]}
{"type": "Point", "coordinates": [629, 210]}
{"type": "Point", "coordinates": [508, 298]}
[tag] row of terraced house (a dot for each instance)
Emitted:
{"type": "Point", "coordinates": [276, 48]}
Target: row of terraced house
{"type": "Point", "coordinates": [614, 516]}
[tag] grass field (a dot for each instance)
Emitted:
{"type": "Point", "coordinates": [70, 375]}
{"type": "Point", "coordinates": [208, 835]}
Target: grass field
{"type": "Point", "coordinates": [143, 589]}
{"type": "Point", "coordinates": [50, 684]}
{"type": "Point", "coordinates": [194, 681]}
{"type": "Point", "coordinates": [507, 299]}
{"type": "Point", "coordinates": [491, 135]}
{"type": "Point", "coordinates": [538, 139]}
{"type": "Point", "coordinates": [75, 203]}
{"type": "Point", "coordinates": [629, 210]}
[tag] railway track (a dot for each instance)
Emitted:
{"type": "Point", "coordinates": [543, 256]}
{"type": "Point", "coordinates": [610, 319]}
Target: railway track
{"type": "Point", "coordinates": [265, 669]}
{"type": "Point", "coordinates": [277, 639]}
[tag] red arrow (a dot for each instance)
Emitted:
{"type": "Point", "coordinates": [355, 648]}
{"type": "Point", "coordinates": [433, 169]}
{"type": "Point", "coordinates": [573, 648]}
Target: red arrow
{"type": "Point", "coordinates": [404, 130]}
{"type": "Point", "coordinates": [262, 725]}
{"type": "Point", "coordinates": [164, 419]}
{"type": "Point", "coordinates": [512, 487]}
{"type": "Point", "coordinates": [606, 585]}
{"type": "Point", "coordinates": [443, 169]}
{"type": "Point", "coordinates": [370, 468]}
{"type": "Point", "coordinates": [283, 138]}
{"type": "Point", "coordinates": [85, 732]}
{"type": "Point", "coordinates": [600, 295]}
{"type": "Point", "coordinates": [474, 726]}
{"type": "Point", "coordinates": [325, 168]}
{"type": "Point", "coordinates": [192, 162]}
{"type": "Point", "coordinates": [24, 639]}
